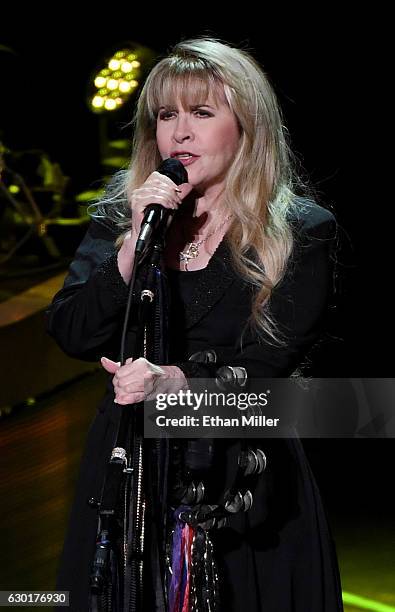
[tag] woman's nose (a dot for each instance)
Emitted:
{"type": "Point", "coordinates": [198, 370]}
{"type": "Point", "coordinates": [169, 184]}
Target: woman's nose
{"type": "Point", "coordinates": [182, 129]}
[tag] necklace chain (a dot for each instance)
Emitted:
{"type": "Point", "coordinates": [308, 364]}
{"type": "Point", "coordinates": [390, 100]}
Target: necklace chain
{"type": "Point", "coordinates": [192, 252]}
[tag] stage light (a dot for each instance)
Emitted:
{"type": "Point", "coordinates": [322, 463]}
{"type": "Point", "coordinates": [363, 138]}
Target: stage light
{"type": "Point", "coordinates": [363, 603]}
{"type": "Point", "coordinates": [124, 70]}
{"type": "Point", "coordinates": [114, 64]}
{"type": "Point", "coordinates": [100, 81]}
{"type": "Point", "coordinates": [112, 84]}
{"type": "Point", "coordinates": [110, 104]}
{"type": "Point", "coordinates": [126, 67]}
{"type": "Point", "coordinates": [124, 87]}
{"type": "Point", "coordinates": [98, 102]}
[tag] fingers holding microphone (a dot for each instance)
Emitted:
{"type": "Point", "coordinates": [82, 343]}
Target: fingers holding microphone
{"type": "Point", "coordinates": [151, 205]}
{"type": "Point", "coordinates": [157, 189]}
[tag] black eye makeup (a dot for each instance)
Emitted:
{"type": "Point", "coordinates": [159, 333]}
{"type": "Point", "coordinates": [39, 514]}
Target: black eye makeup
{"type": "Point", "coordinates": [198, 110]}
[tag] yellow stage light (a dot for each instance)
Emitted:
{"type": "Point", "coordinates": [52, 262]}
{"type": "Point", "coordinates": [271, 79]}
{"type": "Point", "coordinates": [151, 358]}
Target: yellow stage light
{"type": "Point", "coordinates": [126, 67]}
{"type": "Point", "coordinates": [112, 84]}
{"type": "Point", "coordinates": [100, 81]}
{"type": "Point", "coordinates": [114, 64]}
{"type": "Point", "coordinates": [124, 87]}
{"type": "Point", "coordinates": [123, 71]}
{"type": "Point", "coordinates": [110, 104]}
{"type": "Point", "coordinates": [98, 102]}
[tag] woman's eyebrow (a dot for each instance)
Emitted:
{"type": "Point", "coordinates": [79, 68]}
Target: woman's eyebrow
{"type": "Point", "coordinates": [193, 106]}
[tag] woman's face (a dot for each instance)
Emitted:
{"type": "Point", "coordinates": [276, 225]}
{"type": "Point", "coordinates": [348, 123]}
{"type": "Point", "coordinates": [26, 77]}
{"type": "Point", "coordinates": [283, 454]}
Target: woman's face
{"type": "Point", "coordinates": [204, 137]}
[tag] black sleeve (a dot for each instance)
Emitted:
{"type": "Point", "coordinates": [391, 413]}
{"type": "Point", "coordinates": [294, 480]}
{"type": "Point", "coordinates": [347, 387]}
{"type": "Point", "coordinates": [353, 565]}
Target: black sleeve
{"type": "Point", "coordinates": [86, 314]}
{"type": "Point", "coordinates": [298, 305]}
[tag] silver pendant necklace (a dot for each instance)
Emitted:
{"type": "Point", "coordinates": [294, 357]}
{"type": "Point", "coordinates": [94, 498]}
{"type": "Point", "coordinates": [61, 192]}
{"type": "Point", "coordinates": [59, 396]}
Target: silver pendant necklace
{"type": "Point", "coordinates": [192, 252]}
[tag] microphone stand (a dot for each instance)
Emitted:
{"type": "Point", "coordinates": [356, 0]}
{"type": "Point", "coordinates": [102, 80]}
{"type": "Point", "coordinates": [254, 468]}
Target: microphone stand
{"type": "Point", "coordinates": [125, 470]}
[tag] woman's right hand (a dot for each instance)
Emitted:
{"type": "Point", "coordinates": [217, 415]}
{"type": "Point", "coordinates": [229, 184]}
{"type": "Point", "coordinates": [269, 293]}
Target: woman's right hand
{"type": "Point", "coordinates": [157, 189]}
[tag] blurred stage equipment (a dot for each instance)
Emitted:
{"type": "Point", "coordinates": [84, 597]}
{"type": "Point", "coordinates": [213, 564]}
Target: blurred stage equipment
{"type": "Point", "coordinates": [35, 200]}
{"type": "Point", "coordinates": [32, 201]}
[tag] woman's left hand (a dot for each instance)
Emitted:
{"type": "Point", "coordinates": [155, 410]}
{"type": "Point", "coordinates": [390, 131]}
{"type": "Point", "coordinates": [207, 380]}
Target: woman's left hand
{"type": "Point", "coordinates": [137, 381]}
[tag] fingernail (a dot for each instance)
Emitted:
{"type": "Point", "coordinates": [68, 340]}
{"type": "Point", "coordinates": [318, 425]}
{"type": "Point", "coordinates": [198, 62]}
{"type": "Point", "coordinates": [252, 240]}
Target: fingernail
{"type": "Point", "coordinates": [118, 363]}
{"type": "Point", "coordinates": [178, 190]}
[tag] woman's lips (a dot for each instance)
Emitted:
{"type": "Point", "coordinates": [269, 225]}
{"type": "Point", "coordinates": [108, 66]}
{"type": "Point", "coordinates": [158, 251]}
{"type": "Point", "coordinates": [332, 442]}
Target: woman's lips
{"type": "Point", "coordinates": [186, 158]}
{"type": "Point", "coordinates": [187, 161]}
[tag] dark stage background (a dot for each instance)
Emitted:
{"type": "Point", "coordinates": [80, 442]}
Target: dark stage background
{"type": "Point", "coordinates": [319, 68]}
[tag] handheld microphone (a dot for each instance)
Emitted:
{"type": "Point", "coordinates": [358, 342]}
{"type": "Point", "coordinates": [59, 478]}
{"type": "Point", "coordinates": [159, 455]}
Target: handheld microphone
{"type": "Point", "coordinates": [156, 214]}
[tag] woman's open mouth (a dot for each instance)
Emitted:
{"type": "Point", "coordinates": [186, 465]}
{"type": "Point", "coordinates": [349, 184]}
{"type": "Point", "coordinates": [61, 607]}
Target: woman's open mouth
{"type": "Point", "coordinates": [185, 158]}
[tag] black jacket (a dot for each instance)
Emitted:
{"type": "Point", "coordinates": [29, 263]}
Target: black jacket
{"type": "Point", "coordinates": [86, 315]}
{"type": "Point", "coordinates": [279, 555]}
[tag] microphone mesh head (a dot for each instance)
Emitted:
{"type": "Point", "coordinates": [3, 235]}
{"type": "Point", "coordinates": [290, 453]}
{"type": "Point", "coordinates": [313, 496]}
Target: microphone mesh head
{"type": "Point", "coordinates": [174, 169]}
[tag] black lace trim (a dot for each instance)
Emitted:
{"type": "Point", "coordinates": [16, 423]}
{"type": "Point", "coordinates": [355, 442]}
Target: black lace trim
{"type": "Point", "coordinates": [217, 277]}
{"type": "Point", "coordinates": [109, 271]}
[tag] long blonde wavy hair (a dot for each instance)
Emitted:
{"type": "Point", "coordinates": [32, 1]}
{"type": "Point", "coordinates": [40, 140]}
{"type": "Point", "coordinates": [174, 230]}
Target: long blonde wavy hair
{"type": "Point", "coordinates": [260, 183]}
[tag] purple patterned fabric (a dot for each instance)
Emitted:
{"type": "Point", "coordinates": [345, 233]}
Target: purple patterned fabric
{"type": "Point", "coordinates": [179, 563]}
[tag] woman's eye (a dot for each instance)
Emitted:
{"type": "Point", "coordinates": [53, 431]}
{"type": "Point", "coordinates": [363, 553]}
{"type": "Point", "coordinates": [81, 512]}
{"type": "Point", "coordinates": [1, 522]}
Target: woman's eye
{"type": "Point", "coordinates": [166, 115]}
{"type": "Point", "coordinates": [202, 113]}
{"type": "Point", "coordinates": [198, 112]}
